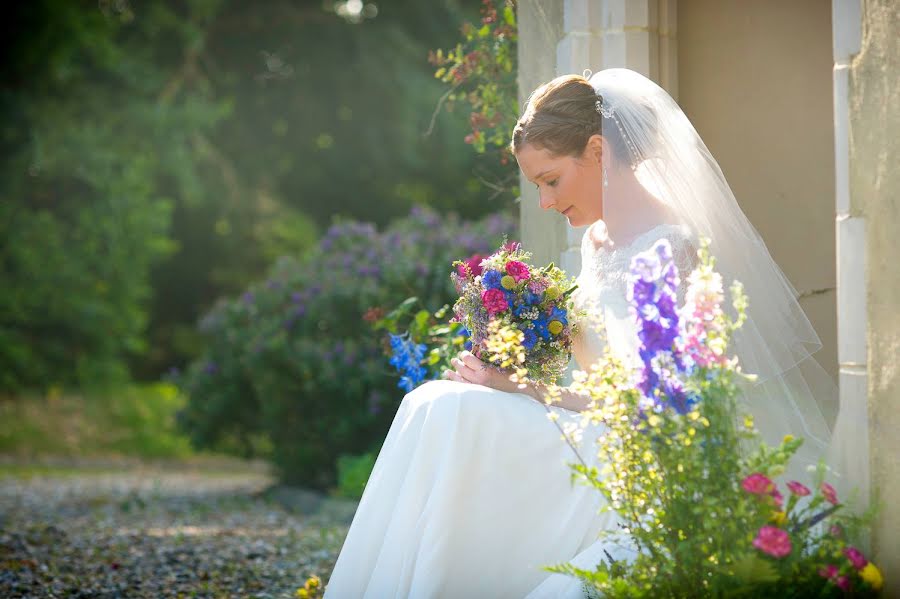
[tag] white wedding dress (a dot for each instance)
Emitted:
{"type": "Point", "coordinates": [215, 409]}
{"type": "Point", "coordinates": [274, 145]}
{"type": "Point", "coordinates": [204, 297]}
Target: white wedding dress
{"type": "Point", "coordinates": [472, 493]}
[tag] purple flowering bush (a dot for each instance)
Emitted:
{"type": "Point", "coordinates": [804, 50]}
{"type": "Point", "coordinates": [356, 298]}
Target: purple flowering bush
{"type": "Point", "coordinates": [293, 371]}
{"type": "Point", "coordinates": [687, 476]}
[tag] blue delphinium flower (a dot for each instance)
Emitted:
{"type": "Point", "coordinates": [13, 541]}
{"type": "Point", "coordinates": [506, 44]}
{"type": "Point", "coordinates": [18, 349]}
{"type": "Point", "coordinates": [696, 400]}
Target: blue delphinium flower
{"type": "Point", "coordinates": [652, 295]}
{"type": "Point", "coordinates": [558, 314]}
{"type": "Point", "coordinates": [491, 279]}
{"type": "Point", "coordinates": [540, 327]}
{"type": "Point", "coordinates": [464, 333]}
{"type": "Point", "coordinates": [407, 359]}
{"type": "Point", "coordinates": [530, 339]}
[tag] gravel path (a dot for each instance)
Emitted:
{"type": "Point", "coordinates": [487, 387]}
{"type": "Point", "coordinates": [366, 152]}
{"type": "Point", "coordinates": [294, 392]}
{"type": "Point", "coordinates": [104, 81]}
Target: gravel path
{"type": "Point", "coordinates": [153, 532]}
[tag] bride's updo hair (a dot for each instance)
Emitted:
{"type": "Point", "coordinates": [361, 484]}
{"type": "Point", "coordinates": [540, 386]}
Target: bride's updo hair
{"type": "Point", "coordinates": [560, 117]}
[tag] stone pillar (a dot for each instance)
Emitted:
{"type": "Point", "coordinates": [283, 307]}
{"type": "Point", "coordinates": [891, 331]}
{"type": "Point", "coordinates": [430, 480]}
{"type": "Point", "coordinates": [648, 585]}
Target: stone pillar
{"type": "Point", "coordinates": [867, 125]}
{"type": "Point", "coordinates": [850, 231]}
{"type": "Point", "coordinates": [540, 30]}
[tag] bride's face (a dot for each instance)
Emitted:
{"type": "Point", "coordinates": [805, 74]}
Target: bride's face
{"type": "Point", "coordinates": [571, 185]}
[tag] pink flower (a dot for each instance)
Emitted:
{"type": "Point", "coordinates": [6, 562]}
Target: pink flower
{"type": "Point", "coordinates": [512, 246]}
{"type": "Point", "coordinates": [776, 495]}
{"type": "Point", "coordinates": [829, 493]}
{"type": "Point", "coordinates": [797, 488]}
{"type": "Point", "coordinates": [494, 301]}
{"type": "Point", "coordinates": [518, 270]}
{"type": "Point", "coordinates": [773, 541]}
{"type": "Point", "coordinates": [829, 571]}
{"type": "Point", "coordinates": [843, 583]}
{"type": "Point", "coordinates": [701, 318]}
{"type": "Point", "coordinates": [835, 530]}
{"type": "Point", "coordinates": [472, 265]}
{"type": "Point", "coordinates": [758, 484]}
{"type": "Point", "coordinates": [856, 557]}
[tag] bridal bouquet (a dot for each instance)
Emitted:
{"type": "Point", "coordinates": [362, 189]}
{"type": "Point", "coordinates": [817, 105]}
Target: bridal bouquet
{"type": "Point", "coordinates": [691, 485]}
{"type": "Point", "coordinates": [505, 298]}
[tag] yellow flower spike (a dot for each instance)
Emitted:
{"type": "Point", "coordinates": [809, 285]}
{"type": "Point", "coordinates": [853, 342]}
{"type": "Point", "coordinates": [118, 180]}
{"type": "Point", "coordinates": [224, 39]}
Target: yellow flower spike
{"type": "Point", "coordinates": [694, 415]}
{"type": "Point", "coordinates": [302, 594]}
{"type": "Point", "coordinates": [654, 420]}
{"type": "Point", "coordinates": [692, 431]}
{"type": "Point", "coordinates": [787, 439]}
{"type": "Point", "coordinates": [704, 421]}
{"type": "Point", "coordinates": [871, 574]}
{"type": "Point", "coordinates": [552, 293]}
{"type": "Point", "coordinates": [680, 468]}
{"type": "Point", "coordinates": [687, 442]}
{"type": "Point", "coordinates": [778, 518]}
{"type": "Point", "coordinates": [555, 327]}
{"type": "Point", "coordinates": [508, 282]}
{"type": "Point", "coordinates": [748, 421]}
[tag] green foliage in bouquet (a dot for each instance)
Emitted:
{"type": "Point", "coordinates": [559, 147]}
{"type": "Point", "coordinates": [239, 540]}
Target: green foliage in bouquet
{"type": "Point", "coordinates": [422, 342]}
{"type": "Point", "coordinates": [690, 482]}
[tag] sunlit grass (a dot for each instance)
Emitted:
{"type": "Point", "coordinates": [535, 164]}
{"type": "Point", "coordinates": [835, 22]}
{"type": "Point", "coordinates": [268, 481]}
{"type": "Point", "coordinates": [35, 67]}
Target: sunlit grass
{"type": "Point", "coordinates": [134, 421]}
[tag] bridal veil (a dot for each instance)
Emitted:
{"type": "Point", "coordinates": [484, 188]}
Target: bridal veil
{"type": "Point", "coordinates": [650, 134]}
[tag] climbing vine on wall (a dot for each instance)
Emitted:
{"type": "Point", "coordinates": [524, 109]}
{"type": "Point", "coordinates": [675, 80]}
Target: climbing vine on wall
{"type": "Point", "coordinates": [481, 74]}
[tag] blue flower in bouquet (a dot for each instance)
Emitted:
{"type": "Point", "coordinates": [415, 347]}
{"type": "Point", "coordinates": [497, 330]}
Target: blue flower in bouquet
{"type": "Point", "coordinates": [491, 279]}
{"type": "Point", "coordinates": [406, 357]}
{"type": "Point", "coordinates": [464, 333]}
{"type": "Point", "coordinates": [560, 315]}
{"type": "Point", "coordinates": [530, 339]}
{"type": "Point", "coordinates": [511, 297]}
{"type": "Point", "coordinates": [512, 293]}
{"type": "Point", "coordinates": [541, 327]}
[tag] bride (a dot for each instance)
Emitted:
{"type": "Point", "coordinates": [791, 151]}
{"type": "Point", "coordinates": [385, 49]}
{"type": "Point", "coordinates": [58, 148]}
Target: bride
{"type": "Point", "coordinates": [471, 493]}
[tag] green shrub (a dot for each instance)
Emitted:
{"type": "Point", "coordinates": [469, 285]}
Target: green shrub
{"type": "Point", "coordinates": [132, 420]}
{"type": "Point", "coordinates": [293, 371]}
{"type": "Point", "coordinates": [353, 473]}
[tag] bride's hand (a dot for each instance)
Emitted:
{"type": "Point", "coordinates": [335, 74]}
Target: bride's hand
{"type": "Point", "coordinates": [469, 369]}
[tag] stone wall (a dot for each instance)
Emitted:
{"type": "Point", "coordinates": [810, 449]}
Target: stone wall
{"type": "Point", "coordinates": [873, 107]}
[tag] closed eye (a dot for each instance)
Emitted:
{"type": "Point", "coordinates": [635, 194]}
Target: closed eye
{"type": "Point", "coordinates": [553, 183]}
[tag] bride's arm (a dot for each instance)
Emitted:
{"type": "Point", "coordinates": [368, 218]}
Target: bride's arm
{"type": "Point", "coordinates": [469, 369]}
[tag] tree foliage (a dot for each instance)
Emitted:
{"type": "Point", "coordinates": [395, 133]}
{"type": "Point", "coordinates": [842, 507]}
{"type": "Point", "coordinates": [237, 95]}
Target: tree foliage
{"type": "Point", "coordinates": [161, 155]}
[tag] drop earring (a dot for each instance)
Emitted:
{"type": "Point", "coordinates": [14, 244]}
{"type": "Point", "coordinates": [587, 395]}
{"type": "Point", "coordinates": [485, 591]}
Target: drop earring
{"type": "Point", "coordinates": [605, 179]}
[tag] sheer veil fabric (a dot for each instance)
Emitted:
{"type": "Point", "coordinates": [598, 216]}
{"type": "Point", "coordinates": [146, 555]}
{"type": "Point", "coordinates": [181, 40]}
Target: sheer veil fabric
{"type": "Point", "coordinates": [653, 138]}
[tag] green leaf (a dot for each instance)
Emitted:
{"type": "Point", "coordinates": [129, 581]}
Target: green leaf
{"type": "Point", "coordinates": [403, 308]}
{"type": "Point", "coordinates": [754, 568]}
{"type": "Point", "coordinates": [419, 326]}
{"type": "Point", "coordinates": [434, 356]}
{"type": "Point", "coordinates": [509, 16]}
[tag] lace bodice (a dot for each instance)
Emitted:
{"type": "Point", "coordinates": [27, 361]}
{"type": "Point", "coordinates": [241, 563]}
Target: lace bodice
{"type": "Point", "coordinates": [602, 290]}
